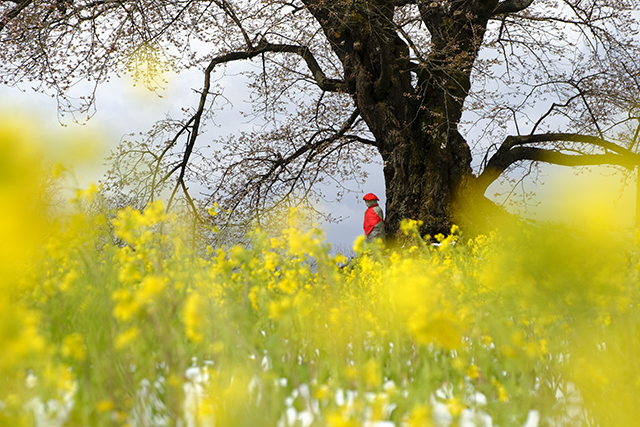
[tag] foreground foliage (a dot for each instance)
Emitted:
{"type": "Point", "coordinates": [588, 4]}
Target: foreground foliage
{"type": "Point", "coordinates": [113, 319]}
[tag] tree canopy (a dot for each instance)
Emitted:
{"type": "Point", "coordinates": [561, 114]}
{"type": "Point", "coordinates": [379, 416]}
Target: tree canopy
{"type": "Point", "coordinates": [450, 94]}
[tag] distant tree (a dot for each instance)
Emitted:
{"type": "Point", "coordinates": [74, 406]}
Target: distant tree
{"type": "Point", "coordinates": [555, 81]}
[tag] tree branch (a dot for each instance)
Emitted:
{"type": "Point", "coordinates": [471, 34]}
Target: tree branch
{"type": "Point", "coordinates": [259, 185]}
{"type": "Point", "coordinates": [20, 5]}
{"type": "Point", "coordinates": [263, 46]}
{"type": "Point", "coordinates": [231, 13]}
{"type": "Point", "coordinates": [511, 6]}
{"type": "Point", "coordinates": [512, 141]}
{"type": "Point", "coordinates": [324, 83]}
{"type": "Point", "coordinates": [512, 150]}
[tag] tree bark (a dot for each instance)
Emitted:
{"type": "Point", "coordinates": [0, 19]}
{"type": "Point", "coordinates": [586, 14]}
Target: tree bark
{"type": "Point", "coordinates": [412, 107]}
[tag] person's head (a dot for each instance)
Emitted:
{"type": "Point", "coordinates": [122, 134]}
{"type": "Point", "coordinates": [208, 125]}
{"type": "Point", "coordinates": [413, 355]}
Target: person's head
{"type": "Point", "coordinates": [370, 199]}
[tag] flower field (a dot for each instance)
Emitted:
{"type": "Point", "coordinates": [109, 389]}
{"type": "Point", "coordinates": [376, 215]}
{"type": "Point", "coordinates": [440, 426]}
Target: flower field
{"type": "Point", "coordinates": [113, 319]}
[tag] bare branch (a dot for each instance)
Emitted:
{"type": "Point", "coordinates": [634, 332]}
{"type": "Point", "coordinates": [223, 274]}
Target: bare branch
{"type": "Point", "coordinates": [20, 6]}
{"type": "Point", "coordinates": [279, 164]}
{"type": "Point", "coordinates": [261, 48]}
{"type": "Point", "coordinates": [511, 6]}
{"type": "Point", "coordinates": [224, 5]}
{"type": "Point", "coordinates": [512, 150]}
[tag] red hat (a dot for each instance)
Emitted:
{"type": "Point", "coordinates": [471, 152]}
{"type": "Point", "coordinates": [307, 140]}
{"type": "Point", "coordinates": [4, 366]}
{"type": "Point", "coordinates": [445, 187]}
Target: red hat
{"type": "Point", "coordinates": [370, 196]}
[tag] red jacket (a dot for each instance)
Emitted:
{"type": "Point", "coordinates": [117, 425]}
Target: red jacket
{"type": "Point", "coordinates": [371, 218]}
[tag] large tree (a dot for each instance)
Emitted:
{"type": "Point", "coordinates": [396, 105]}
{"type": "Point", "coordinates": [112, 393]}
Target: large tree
{"type": "Point", "coordinates": [333, 81]}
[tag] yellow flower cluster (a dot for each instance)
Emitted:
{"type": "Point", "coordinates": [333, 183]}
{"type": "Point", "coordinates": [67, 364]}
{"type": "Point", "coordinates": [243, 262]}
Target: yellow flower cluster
{"type": "Point", "coordinates": [28, 363]}
{"type": "Point", "coordinates": [116, 318]}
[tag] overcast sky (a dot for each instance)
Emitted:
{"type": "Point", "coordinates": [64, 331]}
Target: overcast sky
{"type": "Point", "coordinates": [124, 109]}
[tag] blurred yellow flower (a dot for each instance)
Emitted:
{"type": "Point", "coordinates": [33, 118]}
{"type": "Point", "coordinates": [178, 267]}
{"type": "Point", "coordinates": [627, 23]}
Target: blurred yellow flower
{"type": "Point", "coordinates": [105, 405]}
{"type": "Point", "coordinates": [410, 226]}
{"type": "Point", "coordinates": [503, 396]}
{"type": "Point", "coordinates": [339, 419]}
{"type": "Point", "coordinates": [322, 393]}
{"type": "Point", "coordinates": [358, 244]}
{"type": "Point", "coordinates": [88, 194]}
{"type": "Point", "coordinates": [150, 287]}
{"type": "Point", "coordinates": [194, 318]}
{"type": "Point", "coordinates": [455, 406]}
{"type": "Point", "coordinates": [73, 346]}
{"type": "Point", "coordinates": [372, 373]}
{"type": "Point", "coordinates": [473, 372]}
{"type": "Point", "coordinates": [126, 305]}
{"type": "Point", "coordinates": [126, 338]}
{"type": "Point", "coordinates": [420, 416]}
{"type": "Point", "coordinates": [442, 328]}
{"type": "Point", "coordinates": [279, 308]}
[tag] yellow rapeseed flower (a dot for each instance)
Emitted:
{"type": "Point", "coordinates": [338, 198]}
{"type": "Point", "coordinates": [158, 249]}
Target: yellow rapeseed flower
{"type": "Point", "coordinates": [455, 406]}
{"type": "Point", "coordinates": [338, 419]}
{"type": "Point", "coordinates": [194, 318]}
{"type": "Point", "coordinates": [126, 306]}
{"type": "Point", "coordinates": [150, 287]}
{"type": "Point", "coordinates": [289, 283]}
{"type": "Point", "coordinates": [372, 374]}
{"type": "Point", "coordinates": [441, 328]}
{"type": "Point", "coordinates": [105, 405]}
{"type": "Point", "coordinates": [358, 244]}
{"type": "Point", "coordinates": [410, 226]}
{"type": "Point", "coordinates": [125, 338]}
{"type": "Point", "coordinates": [322, 393]}
{"type": "Point", "coordinates": [503, 396]}
{"type": "Point", "coordinates": [473, 372]}
{"type": "Point", "coordinates": [88, 194]}
{"type": "Point", "coordinates": [279, 308]}
{"type": "Point", "coordinates": [73, 346]}
{"type": "Point", "coordinates": [420, 416]}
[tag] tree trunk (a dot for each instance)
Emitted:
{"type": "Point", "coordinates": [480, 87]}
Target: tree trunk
{"type": "Point", "coordinates": [423, 182]}
{"type": "Point", "coordinates": [425, 174]}
{"type": "Point", "coordinates": [412, 107]}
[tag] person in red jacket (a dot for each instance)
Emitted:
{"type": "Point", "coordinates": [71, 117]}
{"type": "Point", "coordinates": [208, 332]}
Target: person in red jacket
{"type": "Point", "coordinates": [373, 219]}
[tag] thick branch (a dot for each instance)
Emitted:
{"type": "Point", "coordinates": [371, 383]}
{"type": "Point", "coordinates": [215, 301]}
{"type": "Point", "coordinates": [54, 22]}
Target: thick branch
{"type": "Point", "coordinates": [511, 6]}
{"type": "Point", "coordinates": [20, 5]}
{"type": "Point", "coordinates": [512, 141]}
{"type": "Point", "coordinates": [512, 151]}
{"type": "Point", "coordinates": [324, 83]}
